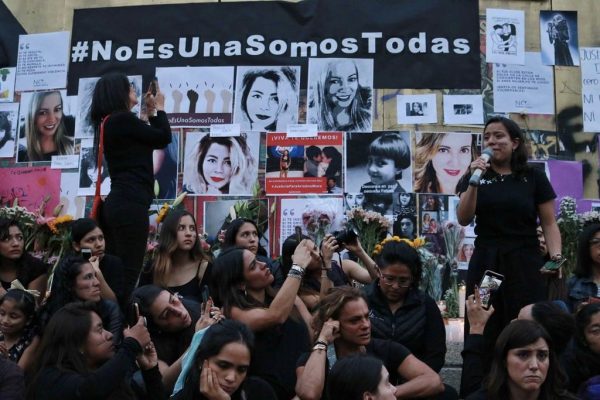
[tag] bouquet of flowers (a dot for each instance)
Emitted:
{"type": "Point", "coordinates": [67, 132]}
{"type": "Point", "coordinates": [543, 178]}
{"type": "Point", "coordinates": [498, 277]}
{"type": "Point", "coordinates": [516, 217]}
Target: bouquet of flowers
{"type": "Point", "coordinates": [570, 225]}
{"type": "Point", "coordinates": [371, 226]}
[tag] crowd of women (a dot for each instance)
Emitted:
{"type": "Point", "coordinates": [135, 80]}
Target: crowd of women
{"type": "Point", "coordinates": [312, 325]}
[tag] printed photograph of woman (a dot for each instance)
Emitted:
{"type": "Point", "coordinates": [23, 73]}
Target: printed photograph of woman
{"type": "Point", "coordinates": [442, 160]}
{"type": "Point", "coordinates": [340, 94]}
{"type": "Point", "coordinates": [220, 165]}
{"type": "Point", "coordinates": [267, 98]}
{"type": "Point", "coordinates": [386, 167]}
{"type": "Point", "coordinates": [88, 173]}
{"type": "Point", "coordinates": [8, 129]}
{"type": "Point", "coordinates": [284, 163]}
{"type": "Point", "coordinates": [46, 130]}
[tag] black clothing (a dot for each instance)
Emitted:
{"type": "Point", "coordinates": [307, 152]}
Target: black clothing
{"type": "Point", "coordinates": [192, 290]}
{"type": "Point", "coordinates": [12, 381]}
{"type": "Point", "coordinates": [579, 364]}
{"type": "Point", "coordinates": [473, 371]}
{"type": "Point", "coordinates": [276, 350]}
{"type": "Point", "coordinates": [171, 345]}
{"type": "Point", "coordinates": [110, 381]}
{"type": "Point", "coordinates": [113, 269]}
{"type": "Point", "coordinates": [112, 319]}
{"type": "Point", "coordinates": [29, 269]}
{"type": "Point", "coordinates": [253, 387]}
{"type": "Point", "coordinates": [128, 146]}
{"type": "Point", "coordinates": [506, 217]}
{"type": "Point", "coordinates": [417, 324]}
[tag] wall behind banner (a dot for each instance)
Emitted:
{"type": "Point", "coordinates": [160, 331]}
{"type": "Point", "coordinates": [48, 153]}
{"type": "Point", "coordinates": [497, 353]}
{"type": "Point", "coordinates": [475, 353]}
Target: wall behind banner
{"type": "Point", "coordinates": [38, 16]}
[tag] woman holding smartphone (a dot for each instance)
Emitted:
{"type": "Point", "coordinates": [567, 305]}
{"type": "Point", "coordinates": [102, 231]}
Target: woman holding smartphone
{"type": "Point", "coordinates": [509, 199]}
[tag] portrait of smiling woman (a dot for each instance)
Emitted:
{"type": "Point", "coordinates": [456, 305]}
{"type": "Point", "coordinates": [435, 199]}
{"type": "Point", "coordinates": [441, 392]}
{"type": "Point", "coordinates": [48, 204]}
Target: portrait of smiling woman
{"type": "Point", "coordinates": [47, 130]}
{"type": "Point", "coordinates": [220, 165]}
{"type": "Point", "coordinates": [268, 99]}
{"type": "Point", "coordinates": [442, 160]}
{"type": "Point", "coordinates": [340, 94]}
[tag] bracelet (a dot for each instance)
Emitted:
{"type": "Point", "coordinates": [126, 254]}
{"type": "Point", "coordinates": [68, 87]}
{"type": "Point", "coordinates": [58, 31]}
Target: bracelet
{"type": "Point", "coordinates": [319, 346]}
{"type": "Point", "coordinates": [296, 272]}
{"type": "Point", "coordinates": [298, 268]}
{"type": "Point", "coordinates": [321, 341]}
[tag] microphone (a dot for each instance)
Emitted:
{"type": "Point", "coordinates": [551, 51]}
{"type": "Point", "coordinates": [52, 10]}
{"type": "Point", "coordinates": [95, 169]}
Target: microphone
{"type": "Point", "coordinates": [486, 154]}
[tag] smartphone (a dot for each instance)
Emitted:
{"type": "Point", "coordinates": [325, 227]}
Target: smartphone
{"type": "Point", "coordinates": [552, 265]}
{"type": "Point", "coordinates": [153, 86]}
{"type": "Point", "coordinates": [86, 253]}
{"type": "Point", "coordinates": [133, 314]}
{"type": "Point", "coordinates": [489, 285]}
{"type": "Point", "coordinates": [205, 294]}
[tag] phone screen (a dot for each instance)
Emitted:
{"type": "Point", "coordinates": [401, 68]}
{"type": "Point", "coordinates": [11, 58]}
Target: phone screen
{"type": "Point", "coordinates": [490, 283]}
{"type": "Point", "coordinates": [552, 265]}
{"type": "Point", "coordinates": [86, 253]}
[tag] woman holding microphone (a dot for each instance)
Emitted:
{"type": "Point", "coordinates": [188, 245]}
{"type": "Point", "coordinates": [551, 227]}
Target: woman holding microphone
{"type": "Point", "coordinates": [506, 202]}
{"type": "Point", "coordinates": [128, 146]}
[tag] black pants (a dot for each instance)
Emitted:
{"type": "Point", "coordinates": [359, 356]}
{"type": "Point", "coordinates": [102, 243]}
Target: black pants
{"type": "Point", "coordinates": [125, 226]}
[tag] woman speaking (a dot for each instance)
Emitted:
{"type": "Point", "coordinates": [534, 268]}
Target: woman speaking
{"type": "Point", "coordinates": [509, 199]}
{"type": "Point", "coordinates": [128, 146]}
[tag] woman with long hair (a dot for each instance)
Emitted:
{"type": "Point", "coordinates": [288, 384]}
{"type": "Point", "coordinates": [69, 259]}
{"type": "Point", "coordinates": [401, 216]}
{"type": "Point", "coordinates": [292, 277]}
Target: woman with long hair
{"type": "Point", "coordinates": [241, 285]}
{"type": "Point", "coordinates": [223, 165]}
{"type": "Point", "coordinates": [360, 377]}
{"type": "Point", "coordinates": [181, 265]}
{"type": "Point", "coordinates": [45, 129]}
{"type": "Point", "coordinates": [585, 283]}
{"type": "Point", "coordinates": [128, 146]}
{"type": "Point", "coordinates": [507, 203]}
{"type": "Point", "coordinates": [339, 101]}
{"type": "Point", "coordinates": [220, 367]}
{"type": "Point", "coordinates": [442, 160]}
{"type": "Point", "coordinates": [78, 359]}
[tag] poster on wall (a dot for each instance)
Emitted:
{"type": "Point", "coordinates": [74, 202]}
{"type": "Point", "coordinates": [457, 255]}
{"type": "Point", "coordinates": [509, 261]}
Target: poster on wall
{"type": "Point", "coordinates": [411, 47]}
{"type": "Point", "coordinates": [304, 165]}
{"type": "Point", "coordinates": [340, 94]}
{"type": "Point", "coordinates": [217, 216]}
{"type": "Point", "coordinates": [590, 88]}
{"type": "Point", "coordinates": [197, 96]}
{"type": "Point", "coordinates": [266, 98]}
{"type": "Point", "coordinates": [46, 126]}
{"type": "Point", "coordinates": [72, 203]}
{"type": "Point", "coordinates": [525, 88]}
{"type": "Point", "coordinates": [559, 38]}
{"type": "Point", "coordinates": [505, 39]}
{"type": "Point", "coordinates": [217, 165]}
{"type": "Point", "coordinates": [88, 171]}
{"type": "Point", "coordinates": [463, 109]}
{"type": "Point", "coordinates": [442, 159]}
{"type": "Point", "coordinates": [7, 84]}
{"type": "Point", "coordinates": [9, 114]}
{"type": "Point", "coordinates": [42, 61]}
{"type": "Point", "coordinates": [417, 109]}
{"type": "Point", "coordinates": [31, 186]}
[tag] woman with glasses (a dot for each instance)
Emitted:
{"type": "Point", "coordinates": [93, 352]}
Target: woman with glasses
{"type": "Point", "coordinates": [129, 143]}
{"type": "Point", "coordinates": [585, 284]}
{"type": "Point", "coordinates": [400, 311]}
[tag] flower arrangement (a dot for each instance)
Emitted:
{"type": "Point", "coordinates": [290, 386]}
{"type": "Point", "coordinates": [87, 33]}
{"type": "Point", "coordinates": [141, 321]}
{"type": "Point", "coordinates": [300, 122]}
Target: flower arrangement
{"type": "Point", "coordinates": [570, 225]}
{"type": "Point", "coordinates": [371, 227]}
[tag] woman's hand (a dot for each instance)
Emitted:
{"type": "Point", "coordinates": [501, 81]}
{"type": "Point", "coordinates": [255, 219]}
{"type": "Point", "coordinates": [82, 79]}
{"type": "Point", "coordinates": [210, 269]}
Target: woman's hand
{"type": "Point", "coordinates": [139, 332]}
{"type": "Point", "coordinates": [302, 254]}
{"type": "Point", "coordinates": [328, 246]}
{"type": "Point", "coordinates": [354, 246]}
{"type": "Point", "coordinates": [480, 163]}
{"type": "Point", "coordinates": [209, 384]}
{"type": "Point", "coordinates": [477, 315]}
{"type": "Point", "coordinates": [95, 261]}
{"type": "Point", "coordinates": [330, 331]}
{"type": "Point", "coordinates": [209, 316]}
{"type": "Point", "coordinates": [148, 358]}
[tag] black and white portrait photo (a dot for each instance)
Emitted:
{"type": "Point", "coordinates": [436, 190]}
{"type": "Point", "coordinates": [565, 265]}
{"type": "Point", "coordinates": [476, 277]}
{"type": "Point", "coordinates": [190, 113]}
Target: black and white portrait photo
{"type": "Point", "coordinates": [558, 37]}
{"type": "Point", "coordinates": [9, 114]}
{"type": "Point", "coordinates": [266, 98]}
{"type": "Point", "coordinates": [416, 109]}
{"type": "Point", "coordinates": [340, 94]}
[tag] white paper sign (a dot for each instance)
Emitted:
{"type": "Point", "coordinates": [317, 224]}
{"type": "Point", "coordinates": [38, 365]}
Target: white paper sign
{"type": "Point", "coordinates": [226, 130]}
{"type": "Point", "coordinates": [525, 88]}
{"type": "Point", "coordinates": [463, 109]}
{"type": "Point", "coordinates": [7, 84]}
{"type": "Point", "coordinates": [302, 130]}
{"type": "Point", "coordinates": [505, 36]}
{"type": "Point", "coordinates": [42, 61]}
{"type": "Point", "coordinates": [65, 162]}
{"type": "Point", "coordinates": [590, 85]}
{"type": "Point", "coordinates": [416, 109]}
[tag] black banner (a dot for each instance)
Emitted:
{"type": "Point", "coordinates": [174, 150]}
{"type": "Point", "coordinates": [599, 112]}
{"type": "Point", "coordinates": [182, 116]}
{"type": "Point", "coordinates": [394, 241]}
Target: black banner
{"type": "Point", "coordinates": [425, 44]}
{"type": "Point", "coordinates": [10, 29]}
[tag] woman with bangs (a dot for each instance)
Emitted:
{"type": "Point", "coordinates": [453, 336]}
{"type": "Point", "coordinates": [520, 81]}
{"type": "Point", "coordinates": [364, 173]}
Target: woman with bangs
{"type": "Point", "coordinates": [442, 160]}
{"type": "Point", "coordinates": [181, 265]}
{"type": "Point", "coordinates": [388, 156]}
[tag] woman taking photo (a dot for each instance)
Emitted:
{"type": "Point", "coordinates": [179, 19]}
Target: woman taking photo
{"type": "Point", "coordinates": [400, 311]}
{"type": "Point", "coordinates": [220, 367]}
{"type": "Point", "coordinates": [507, 203]}
{"type": "Point", "coordinates": [86, 234]}
{"type": "Point", "coordinates": [241, 284]}
{"type": "Point", "coordinates": [16, 263]}
{"type": "Point", "coordinates": [79, 360]}
{"type": "Point", "coordinates": [180, 264]}
{"type": "Point", "coordinates": [524, 367]}
{"type": "Point", "coordinates": [128, 146]}
{"type": "Point", "coordinates": [442, 160]}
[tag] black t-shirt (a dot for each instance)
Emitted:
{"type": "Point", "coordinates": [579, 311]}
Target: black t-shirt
{"type": "Point", "coordinates": [112, 268]}
{"type": "Point", "coordinates": [507, 205]}
{"type": "Point", "coordinates": [29, 269]}
{"type": "Point", "coordinates": [392, 354]}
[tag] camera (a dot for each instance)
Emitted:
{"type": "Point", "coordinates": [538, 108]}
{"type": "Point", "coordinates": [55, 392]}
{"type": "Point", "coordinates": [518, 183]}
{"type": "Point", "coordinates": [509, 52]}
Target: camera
{"type": "Point", "coordinates": [348, 235]}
